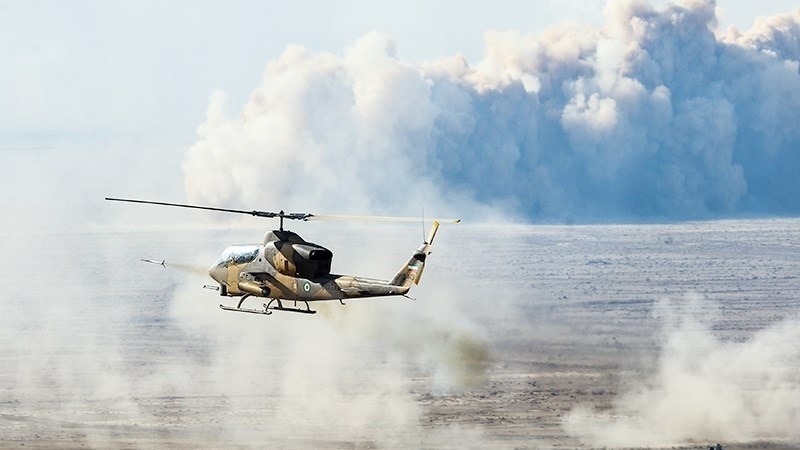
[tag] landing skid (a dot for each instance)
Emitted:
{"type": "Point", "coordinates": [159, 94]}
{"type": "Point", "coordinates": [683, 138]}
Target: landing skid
{"type": "Point", "coordinates": [267, 308]}
{"type": "Point", "coordinates": [246, 310]}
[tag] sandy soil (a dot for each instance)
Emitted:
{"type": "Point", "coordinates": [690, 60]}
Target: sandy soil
{"type": "Point", "coordinates": [569, 317]}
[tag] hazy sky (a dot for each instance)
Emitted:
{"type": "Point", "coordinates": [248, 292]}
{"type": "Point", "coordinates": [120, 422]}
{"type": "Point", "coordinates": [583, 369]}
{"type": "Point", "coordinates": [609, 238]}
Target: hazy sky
{"type": "Point", "coordinates": [148, 67]}
{"type": "Point", "coordinates": [106, 97]}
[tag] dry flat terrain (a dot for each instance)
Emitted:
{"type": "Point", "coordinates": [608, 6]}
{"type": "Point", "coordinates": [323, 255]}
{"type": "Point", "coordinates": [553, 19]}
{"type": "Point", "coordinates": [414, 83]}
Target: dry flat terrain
{"type": "Point", "coordinates": [657, 336]}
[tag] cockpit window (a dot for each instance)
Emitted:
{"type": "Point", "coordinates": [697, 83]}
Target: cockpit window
{"type": "Point", "coordinates": [246, 256]}
{"type": "Point", "coordinates": [238, 254]}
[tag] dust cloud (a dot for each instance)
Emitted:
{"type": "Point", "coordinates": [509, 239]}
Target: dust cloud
{"type": "Point", "coordinates": [117, 353]}
{"type": "Point", "coordinates": [704, 389]}
{"type": "Point", "coordinates": [350, 373]}
{"type": "Point", "coordinates": [119, 349]}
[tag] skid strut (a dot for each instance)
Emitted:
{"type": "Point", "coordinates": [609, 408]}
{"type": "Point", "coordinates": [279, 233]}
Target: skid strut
{"type": "Point", "coordinates": [280, 307]}
{"type": "Point", "coordinates": [274, 304]}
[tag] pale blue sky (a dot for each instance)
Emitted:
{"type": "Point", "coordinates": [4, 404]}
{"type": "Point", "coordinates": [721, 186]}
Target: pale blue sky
{"type": "Point", "coordinates": [104, 97]}
{"type": "Point", "coordinates": [147, 68]}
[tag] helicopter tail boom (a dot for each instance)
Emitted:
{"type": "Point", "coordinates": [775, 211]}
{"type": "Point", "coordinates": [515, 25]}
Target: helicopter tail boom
{"type": "Point", "coordinates": [411, 271]}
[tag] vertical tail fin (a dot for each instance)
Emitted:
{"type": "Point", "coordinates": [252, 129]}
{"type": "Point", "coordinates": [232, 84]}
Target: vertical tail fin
{"type": "Point", "coordinates": [411, 271]}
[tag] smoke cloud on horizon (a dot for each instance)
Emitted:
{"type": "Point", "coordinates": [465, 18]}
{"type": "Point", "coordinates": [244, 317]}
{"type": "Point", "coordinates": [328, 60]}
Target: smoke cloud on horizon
{"type": "Point", "coordinates": [651, 116]}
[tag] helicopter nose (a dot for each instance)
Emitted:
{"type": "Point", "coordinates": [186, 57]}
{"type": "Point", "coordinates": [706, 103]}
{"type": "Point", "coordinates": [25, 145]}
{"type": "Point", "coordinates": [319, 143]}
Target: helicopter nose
{"type": "Point", "coordinates": [217, 273]}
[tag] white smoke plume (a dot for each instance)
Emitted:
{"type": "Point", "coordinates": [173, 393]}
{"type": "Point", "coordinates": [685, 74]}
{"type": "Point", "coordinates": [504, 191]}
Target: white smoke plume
{"type": "Point", "coordinates": [704, 389]}
{"type": "Point", "coordinates": [655, 115]}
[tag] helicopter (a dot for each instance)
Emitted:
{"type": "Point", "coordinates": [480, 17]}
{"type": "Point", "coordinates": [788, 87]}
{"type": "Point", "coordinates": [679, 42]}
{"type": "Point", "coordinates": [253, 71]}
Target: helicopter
{"type": "Point", "coordinates": [285, 268]}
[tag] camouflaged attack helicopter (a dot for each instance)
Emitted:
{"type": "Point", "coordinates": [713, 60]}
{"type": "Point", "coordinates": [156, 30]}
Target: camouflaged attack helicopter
{"type": "Point", "coordinates": [287, 268]}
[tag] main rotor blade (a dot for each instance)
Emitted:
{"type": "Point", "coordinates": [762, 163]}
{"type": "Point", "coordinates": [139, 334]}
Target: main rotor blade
{"type": "Point", "coordinates": [292, 216]}
{"type": "Point", "coordinates": [379, 218]}
{"type": "Point", "coordinates": [256, 213]}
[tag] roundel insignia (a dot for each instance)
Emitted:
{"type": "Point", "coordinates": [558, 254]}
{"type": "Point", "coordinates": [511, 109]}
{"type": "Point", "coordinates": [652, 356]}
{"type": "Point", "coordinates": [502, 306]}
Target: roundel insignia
{"type": "Point", "coordinates": [307, 286]}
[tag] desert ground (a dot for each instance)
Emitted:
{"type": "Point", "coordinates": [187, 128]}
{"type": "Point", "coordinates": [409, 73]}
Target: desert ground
{"type": "Point", "coordinates": [602, 336]}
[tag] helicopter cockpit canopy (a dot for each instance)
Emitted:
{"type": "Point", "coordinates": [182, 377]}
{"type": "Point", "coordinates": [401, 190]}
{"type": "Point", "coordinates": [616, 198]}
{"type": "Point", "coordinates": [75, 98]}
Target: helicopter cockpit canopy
{"type": "Point", "coordinates": [238, 254]}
